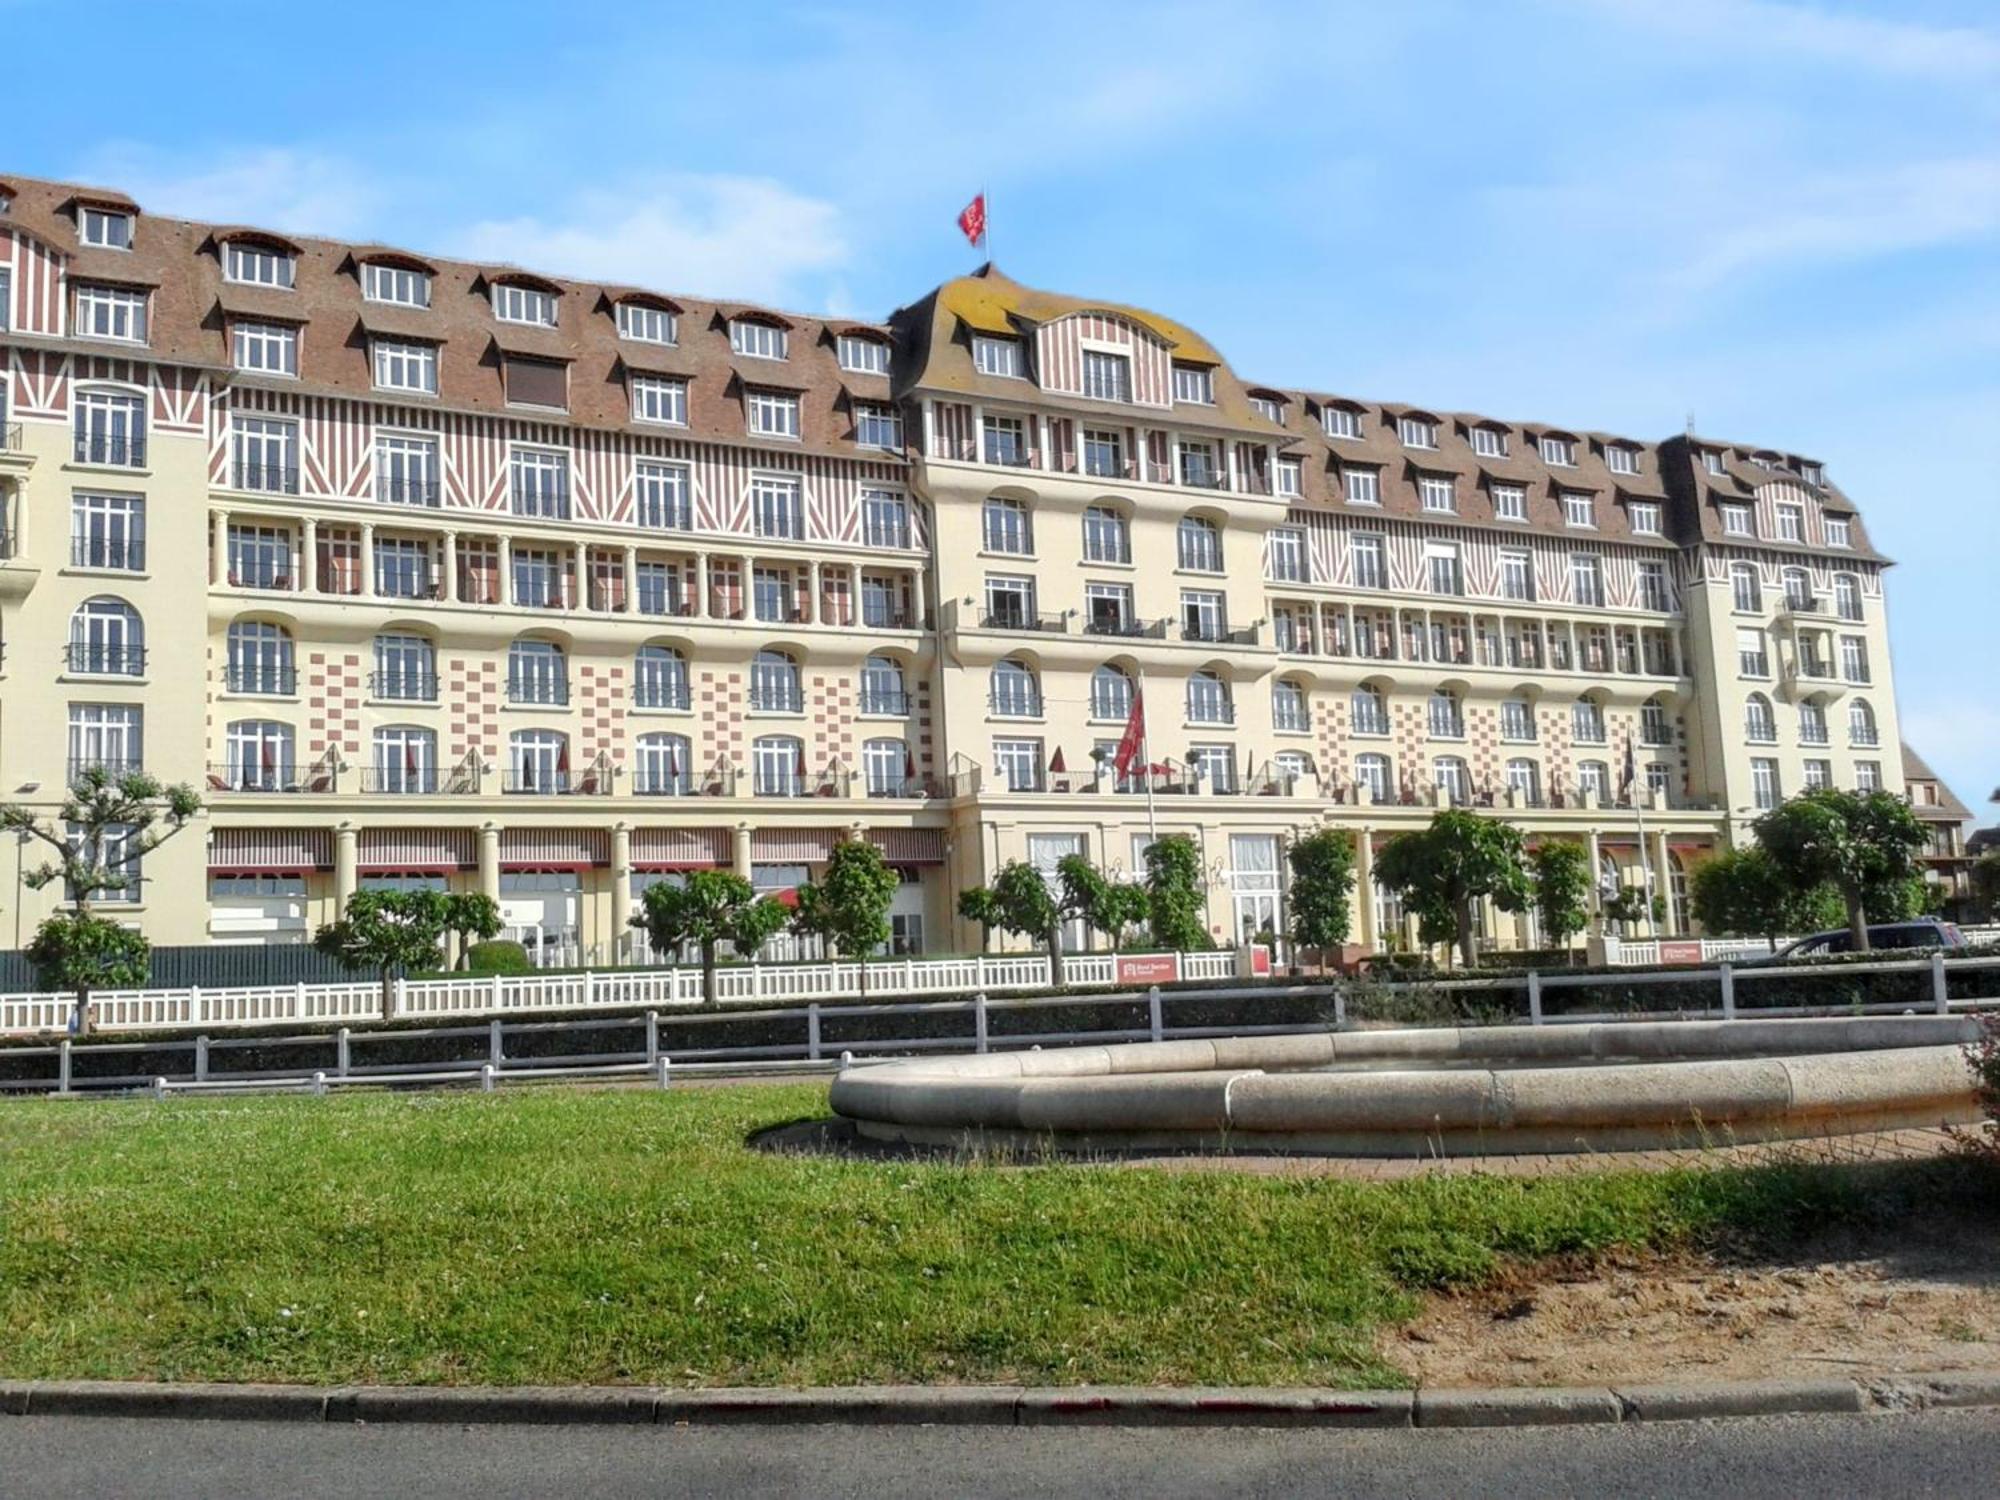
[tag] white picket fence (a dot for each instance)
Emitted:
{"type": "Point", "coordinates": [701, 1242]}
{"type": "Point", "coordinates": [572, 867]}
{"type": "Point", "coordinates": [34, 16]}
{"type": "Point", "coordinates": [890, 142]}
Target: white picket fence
{"type": "Point", "coordinates": [196, 1009]}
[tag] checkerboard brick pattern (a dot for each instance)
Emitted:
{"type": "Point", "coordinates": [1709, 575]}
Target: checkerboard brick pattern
{"type": "Point", "coordinates": [604, 699]}
{"type": "Point", "coordinates": [333, 691]}
{"type": "Point", "coordinates": [472, 696]}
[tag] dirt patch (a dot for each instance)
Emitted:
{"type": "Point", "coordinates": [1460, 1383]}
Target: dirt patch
{"type": "Point", "coordinates": [1912, 1296]}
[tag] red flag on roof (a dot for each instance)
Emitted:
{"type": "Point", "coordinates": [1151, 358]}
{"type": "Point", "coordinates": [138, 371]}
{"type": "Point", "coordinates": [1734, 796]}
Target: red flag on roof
{"type": "Point", "coordinates": [1134, 737]}
{"type": "Point", "coordinates": [972, 220]}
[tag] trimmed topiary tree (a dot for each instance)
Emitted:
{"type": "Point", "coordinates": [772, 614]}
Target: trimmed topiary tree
{"type": "Point", "coordinates": [1862, 844]}
{"type": "Point", "coordinates": [472, 917]}
{"type": "Point", "coordinates": [1442, 869]}
{"type": "Point", "coordinates": [1174, 887]}
{"type": "Point", "coordinates": [848, 905]}
{"type": "Point", "coordinates": [1321, 901]}
{"type": "Point", "coordinates": [710, 908]}
{"type": "Point", "coordinates": [387, 931]}
{"type": "Point", "coordinates": [1560, 872]}
{"type": "Point", "coordinates": [496, 956]}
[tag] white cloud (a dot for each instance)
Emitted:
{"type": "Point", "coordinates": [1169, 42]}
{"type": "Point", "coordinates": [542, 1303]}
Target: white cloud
{"type": "Point", "coordinates": [1807, 32]}
{"type": "Point", "coordinates": [274, 187]}
{"type": "Point", "coordinates": [1961, 740]}
{"type": "Point", "coordinates": [745, 237]}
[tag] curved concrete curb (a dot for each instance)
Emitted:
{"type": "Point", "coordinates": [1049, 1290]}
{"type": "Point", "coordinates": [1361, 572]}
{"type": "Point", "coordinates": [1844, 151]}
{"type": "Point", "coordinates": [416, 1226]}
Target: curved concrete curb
{"type": "Point", "coordinates": [1008, 1406]}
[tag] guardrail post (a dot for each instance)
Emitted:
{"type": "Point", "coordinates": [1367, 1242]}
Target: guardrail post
{"type": "Point", "coordinates": [979, 972]}
{"type": "Point", "coordinates": [1940, 996]}
{"type": "Point", "coordinates": [399, 997]}
{"type": "Point", "coordinates": [664, 1068]}
{"type": "Point", "coordinates": [1728, 977]}
{"type": "Point", "coordinates": [652, 1037]}
{"type": "Point", "coordinates": [846, 1061]}
{"type": "Point", "coordinates": [62, 1067]}
{"type": "Point", "coordinates": [341, 1055]}
{"type": "Point", "coordinates": [1153, 1018]}
{"type": "Point", "coordinates": [493, 1001]}
{"type": "Point", "coordinates": [196, 1015]}
{"type": "Point", "coordinates": [1534, 998]}
{"type": "Point", "coordinates": [201, 1059]}
{"type": "Point", "coordinates": [486, 1079]}
{"type": "Point", "coordinates": [812, 1032]}
{"type": "Point", "coordinates": [494, 1050]}
{"type": "Point", "coordinates": [979, 1022]}
{"type": "Point", "coordinates": [589, 987]}
{"type": "Point", "coordinates": [299, 1001]}
{"type": "Point", "coordinates": [1339, 1005]}
{"type": "Point", "coordinates": [159, 1088]}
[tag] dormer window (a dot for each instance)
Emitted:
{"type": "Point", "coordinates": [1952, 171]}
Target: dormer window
{"type": "Point", "coordinates": [1736, 521]}
{"type": "Point", "coordinates": [755, 339]}
{"type": "Point", "coordinates": [1645, 518]}
{"type": "Point", "coordinates": [1558, 451]}
{"type": "Point", "coordinates": [1340, 421]}
{"type": "Point", "coordinates": [1107, 377]}
{"type": "Point", "coordinates": [1579, 509]}
{"type": "Point", "coordinates": [1195, 385]}
{"type": "Point", "coordinates": [998, 356]}
{"type": "Point", "coordinates": [863, 355]}
{"type": "Point", "coordinates": [1435, 493]}
{"type": "Point", "coordinates": [644, 323]}
{"type": "Point", "coordinates": [515, 303]}
{"type": "Point", "coordinates": [1269, 410]}
{"type": "Point", "coordinates": [1489, 442]}
{"type": "Point", "coordinates": [399, 286]}
{"type": "Point", "coordinates": [1813, 475]}
{"type": "Point", "coordinates": [257, 265]}
{"type": "Point", "coordinates": [1711, 460]}
{"type": "Point", "coordinates": [265, 348]}
{"type": "Point", "coordinates": [106, 228]}
{"type": "Point", "coordinates": [110, 312]}
{"type": "Point", "coordinates": [1417, 432]}
{"type": "Point", "coordinates": [1838, 533]}
{"type": "Point", "coordinates": [1621, 459]}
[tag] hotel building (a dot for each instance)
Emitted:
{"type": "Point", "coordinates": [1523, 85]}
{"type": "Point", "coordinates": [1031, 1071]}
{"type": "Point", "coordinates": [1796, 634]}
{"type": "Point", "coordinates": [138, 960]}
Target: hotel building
{"type": "Point", "coordinates": [429, 572]}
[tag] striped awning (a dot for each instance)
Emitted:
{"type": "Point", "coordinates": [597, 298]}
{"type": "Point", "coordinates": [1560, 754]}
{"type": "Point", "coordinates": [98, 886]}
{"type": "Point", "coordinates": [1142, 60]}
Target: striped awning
{"type": "Point", "coordinates": [553, 848]}
{"type": "Point", "coordinates": [270, 851]}
{"type": "Point", "coordinates": [909, 846]}
{"type": "Point", "coordinates": [792, 846]}
{"type": "Point", "coordinates": [415, 849]}
{"type": "Point", "coordinates": [679, 848]}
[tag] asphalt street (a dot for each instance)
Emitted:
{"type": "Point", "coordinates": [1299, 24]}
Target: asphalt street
{"type": "Point", "coordinates": [1910, 1455]}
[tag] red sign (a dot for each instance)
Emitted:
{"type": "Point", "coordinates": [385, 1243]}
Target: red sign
{"type": "Point", "coordinates": [1260, 960]}
{"type": "Point", "coordinates": [1680, 951]}
{"type": "Point", "coordinates": [1148, 968]}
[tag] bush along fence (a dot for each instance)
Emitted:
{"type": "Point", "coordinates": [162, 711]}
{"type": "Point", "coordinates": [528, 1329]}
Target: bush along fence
{"type": "Point", "coordinates": [658, 1044]}
{"type": "Point", "coordinates": [197, 1008]}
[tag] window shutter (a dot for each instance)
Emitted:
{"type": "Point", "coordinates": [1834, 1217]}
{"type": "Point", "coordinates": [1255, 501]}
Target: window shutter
{"type": "Point", "coordinates": [537, 382]}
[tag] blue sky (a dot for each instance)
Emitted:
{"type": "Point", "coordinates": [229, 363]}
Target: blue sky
{"type": "Point", "coordinates": [1781, 218]}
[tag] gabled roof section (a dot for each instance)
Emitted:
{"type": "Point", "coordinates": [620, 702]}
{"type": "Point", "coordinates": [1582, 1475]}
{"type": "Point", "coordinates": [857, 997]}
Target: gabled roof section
{"type": "Point", "coordinates": [992, 303]}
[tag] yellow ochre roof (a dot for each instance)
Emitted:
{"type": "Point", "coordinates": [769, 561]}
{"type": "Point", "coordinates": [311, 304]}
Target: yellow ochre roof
{"type": "Point", "coordinates": [988, 302]}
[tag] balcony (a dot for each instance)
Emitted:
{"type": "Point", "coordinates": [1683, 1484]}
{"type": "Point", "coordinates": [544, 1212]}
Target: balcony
{"type": "Point", "coordinates": [661, 695]}
{"type": "Point", "coordinates": [1014, 705]}
{"type": "Point", "coordinates": [110, 450]}
{"type": "Point", "coordinates": [106, 661]}
{"type": "Point", "coordinates": [1025, 620]}
{"type": "Point", "coordinates": [548, 501]}
{"type": "Point", "coordinates": [887, 619]}
{"type": "Point", "coordinates": [1217, 634]}
{"type": "Point", "coordinates": [544, 694]}
{"type": "Point", "coordinates": [543, 594]}
{"type": "Point", "coordinates": [270, 679]}
{"type": "Point", "coordinates": [777, 700]}
{"type": "Point", "coordinates": [241, 778]}
{"type": "Point", "coordinates": [268, 479]}
{"type": "Point", "coordinates": [408, 586]}
{"type": "Point", "coordinates": [420, 492]}
{"type": "Point", "coordinates": [395, 780]}
{"type": "Point", "coordinates": [403, 687]}
{"type": "Point", "coordinates": [105, 552]}
{"type": "Point", "coordinates": [274, 576]}
{"type": "Point", "coordinates": [1126, 628]}
{"type": "Point", "coordinates": [10, 437]}
{"type": "Point", "coordinates": [891, 701]}
{"type": "Point", "coordinates": [1211, 713]}
{"type": "Point", "coordinates": [111, 765]}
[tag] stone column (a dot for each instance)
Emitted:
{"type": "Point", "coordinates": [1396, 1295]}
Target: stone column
{"type": "Point", "coordinates": [309, 558]}
{"type": "Point", "coordinates": [489, 860]}
{"type": "Point", "coordinates": [1663, 882]}
{"type": "Point", "coordinates": [218, 540]}
{"type": "Point", "coordinates": [506, 580]}
{"type": "Point", "coordinates": [739, 850]}
{"type": "Point", "coordinates": [853, 612]}
{"type": "Point", "coordinates": [346, 842]}
{"type": "Point", "coordinates": [815, 607]}
{"type": "Point", "coordinates": [621, 887]}
{"type": "Point", "coordinates": [701, 585]}
{"type": "Point", "coordinates": [1596, 879]}
{"type": "Point", "coordinates": [629, 593]}
{"type": "Point", "coordinates": [1364, 887]}
{"type": "Point", "coordinates": [582, 566]}
{"type": "Point", "coordinates": [448, 585]}
{"type": "Point", "coordinates": [368, 559]}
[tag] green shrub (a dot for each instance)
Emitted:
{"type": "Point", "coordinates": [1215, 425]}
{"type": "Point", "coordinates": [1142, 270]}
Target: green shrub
{"type": "Point", "coordinates": [498, 957]}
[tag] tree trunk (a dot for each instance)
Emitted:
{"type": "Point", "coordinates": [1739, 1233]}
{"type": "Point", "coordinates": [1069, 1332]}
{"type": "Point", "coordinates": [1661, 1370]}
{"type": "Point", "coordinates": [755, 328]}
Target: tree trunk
{"type": "Point", "coordinates": [861, 974]}
{"type": "Point", "coordinates": [708, 972]}
{"type": "Point", "coordinates": [388, 993]}
{"type": "Point", "coordinates": [1464, 913]}
{"type": "Point", "coordinates": [83, 1010]}
{"type": "Point", "coordinates": [1055, 957]}
{"type": "Point", "coordinates": [1857, 922]}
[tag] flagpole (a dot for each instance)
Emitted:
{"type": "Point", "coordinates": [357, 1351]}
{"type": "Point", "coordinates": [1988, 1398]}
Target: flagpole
{"type": "Point", "coordinates": [986, 223]}
{"type": "Point", "coordinates": [1146, 758]}
{"type": "Point", "coordinates": [1645, 860]}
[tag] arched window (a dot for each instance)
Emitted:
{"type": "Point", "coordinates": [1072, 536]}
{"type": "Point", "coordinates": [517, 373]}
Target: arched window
{"type": "Point", "coordinates": [1293, 766]}
{"type": "Point", "coordinates": [1586, 718]}
{"type": "Point", "coordinates": [405, 669]}
{"type": "Point", "coordinates": [537, 672]}
{"type": "Point", "coordinates": [538, 761]}
{"type": "Point", "coordinates": [111, 427]}
{"type": "Point", "coordinates": [1289, 708]}
{"type": "Point", "coordinates": [882, 690]}
{"type": "Point", "coordinates": [1447, 716]}
{"type": "Point", "coordinates": [1798, 588]}
{"type": "Point", "coordinates": [1015, 693]}
{"type": "Point", "coordinates": [1208, 699]}
{"type": "Point", "coordinates": [1847, 596]}
{"type": "Point", "coordinates": [1450, 776]}
{"type": "Point", "coordinates": [405, 759]}
{"type": "Point", "coordinates": [1861, 724]}
{"type": "Point", "coordinates": [1369, 710]}
{"type": "Point", "coordinates": [1373, 772]}
{"type": "Point", "coordinates": [1107, 538]}
{"type": "Point", "coordinates": [1200, 543]}
{"type": "Point", "coordinates": [106, 636]}
{"type": "Point", "coordinates": [1110, 693]}
{"type": "Point", "coordinates": [1812, 723]}
{"type": "Point", "coordinates": [1525, 777]}
{"type": "Point", "coordinates": [778, 766]}
{"type": "Point", "coordinates": [1517, 720]}
{"type": "Point", "coordinates": [260, 757]}
{"type": "Point", "coordinates": [1594, 776]}
{"type": "Point", "coordinates": [888, 768]}
{"type": "Point", "coordinates": [260, 658]}
{"type": "Point", "coordinates": [1656, 725]}
{"type": "Point", "coordinates": [1759, 723]}
{"type": "Point", "coordinates": [659, 678]}
{"type": "Point", "coordinates": [664, 766]}
{"type": "Point", "coordinates": [774, 684]}
{"type": "Point", "coordinates": [1746, 590]}
{"type": "Point", "coordinates": [1008, 527]}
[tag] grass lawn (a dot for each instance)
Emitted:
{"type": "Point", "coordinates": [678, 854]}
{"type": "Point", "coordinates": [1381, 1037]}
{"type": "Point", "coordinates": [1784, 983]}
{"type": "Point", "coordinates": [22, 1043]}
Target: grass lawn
{"type": "Point", "coordinates": [561, 1236]}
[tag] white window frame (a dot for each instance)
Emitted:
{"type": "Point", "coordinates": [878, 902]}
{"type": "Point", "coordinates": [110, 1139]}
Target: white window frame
{"type": "Point", "coordinates": [862, 355]}
{"type": "Point", "coordinates": [778, 506]}
{"type": "Point", "coordinates": [659, 400]}
{"type": "Point", "coordinates": [1557, 452]}
{"type": "Point", "coordinates": [1194, 385]}
{"type": "Point", "coordinates": [1736, 521]}
{"type": "Point", "coordinates": [514, 302]}
{"type": "Point", "coordinates": [1579, 509]}
{"type": "Point", "coordinates": [405, 366]}
{"type": "Point", "coordinates": [1510, 502]}
{"type": "Point", "coordinates": [116, 314]}
{"type": "Point", "coordinates": [1004, 358]}
{"type": "Point", "coordinates": [1362, 486]}
{"type": "Point", "coordinates": [105, 228]}
{"type": "Point", "coordinates": [1437, 494]}
{"type": "Point", "coordinates": [755, 338]}
{"type": "Point", "coordinates": [1417, 432]}
{"type": "Point", "coordinates": [1107, 375]}
{"type": "Point", "coordinates": [645, 323]}
{"type": "Point", "coordinates": [1340, 422]}
{"type": "Point", "coordinates": [265, 348]}
{"type": "Point", "coordinates": [395, 286]}
{"type": "Point", "coordinates": [1489, 442]}
{"type": "Point", "coordinates": [877, 424]}
{"type": "Point", "coordinates": [1645, 517]}
{"type": "Point", "coordinates": [773, 414]}
{"type": "Point", "coordinates": [248, 264]}
{"type": "Point", "coordinates": [662, 497]}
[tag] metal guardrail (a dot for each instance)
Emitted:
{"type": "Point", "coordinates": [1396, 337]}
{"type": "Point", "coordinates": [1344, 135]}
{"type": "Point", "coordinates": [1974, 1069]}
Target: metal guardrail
{"type": "Point", "coordinates": [487, 1060]}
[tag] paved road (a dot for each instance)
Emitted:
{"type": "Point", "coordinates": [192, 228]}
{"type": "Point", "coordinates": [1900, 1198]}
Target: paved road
{"type": "Point", "coordinates": [1932, 1453]}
